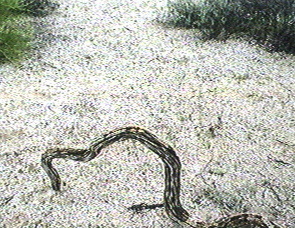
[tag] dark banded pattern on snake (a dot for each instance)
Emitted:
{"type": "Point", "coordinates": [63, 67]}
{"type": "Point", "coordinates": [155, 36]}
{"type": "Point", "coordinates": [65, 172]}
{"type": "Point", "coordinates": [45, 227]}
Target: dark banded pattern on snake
{"type": "Point", "coordinates": [172, 168]}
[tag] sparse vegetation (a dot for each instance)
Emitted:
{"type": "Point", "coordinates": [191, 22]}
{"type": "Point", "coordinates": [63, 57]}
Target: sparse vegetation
{"type": "Point", "coordinates": [16, 31]}
{"type": "Point", "coordinates": [270, 23]}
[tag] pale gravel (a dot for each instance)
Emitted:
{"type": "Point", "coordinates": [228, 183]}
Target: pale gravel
{"type": "Point", "coordinates": [100, 65]}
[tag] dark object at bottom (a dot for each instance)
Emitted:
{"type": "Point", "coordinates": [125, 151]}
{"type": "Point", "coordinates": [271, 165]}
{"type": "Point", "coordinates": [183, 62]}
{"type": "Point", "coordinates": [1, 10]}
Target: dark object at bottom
{"type": "Point", "coordinates": [140, 207]}
{"type": "Point", "coordinates": [172, 166]}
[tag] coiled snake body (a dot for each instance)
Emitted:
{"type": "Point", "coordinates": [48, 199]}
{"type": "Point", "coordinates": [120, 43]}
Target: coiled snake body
{"type": "Point", "coordinates": [172, 167]}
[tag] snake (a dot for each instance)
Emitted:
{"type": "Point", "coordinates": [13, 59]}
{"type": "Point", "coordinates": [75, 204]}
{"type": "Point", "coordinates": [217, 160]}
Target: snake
{"type": "Point", "coordinates": [172, 171]}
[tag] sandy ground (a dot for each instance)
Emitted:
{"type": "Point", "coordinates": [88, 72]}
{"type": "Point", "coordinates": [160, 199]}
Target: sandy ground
{"type": "Point", "coordinates": [227, 109]}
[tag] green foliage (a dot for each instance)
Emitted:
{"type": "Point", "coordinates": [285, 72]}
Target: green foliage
{"type": "Point", "coordinates": [15, 29]}
{"type": "Point", "coordinates": [37, 7]}
{"type": "Point", "coordinates": [15, 32]}
{"type": "Point", "coordinates": [13, 42]}
{"type": "Point", "coordinates": [6, 6]}
{"type": "Point", "coordinates": [268, 22]}
{"type": "Point", "coordinates": [183, 14]}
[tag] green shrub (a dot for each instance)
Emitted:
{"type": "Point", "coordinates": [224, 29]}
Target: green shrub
{"type": "Point", "coordinates": [15, 32]}
{"type": "Point", "coordinates": [268, 22]}
{"type": "Point", "coordinates": [37, 7]}
{"type": "Point", "coordinates": [7, 6]}
{"type": "Point", "coordinates": [14, 41]}
{"type": "Point", "coordinates": [183, 14]}
{"type": "Point", "coordinates": [15, 29]}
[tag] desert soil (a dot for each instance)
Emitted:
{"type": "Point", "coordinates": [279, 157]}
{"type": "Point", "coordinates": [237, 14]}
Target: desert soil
{"type": "Point", "coordinates": [227, 108]}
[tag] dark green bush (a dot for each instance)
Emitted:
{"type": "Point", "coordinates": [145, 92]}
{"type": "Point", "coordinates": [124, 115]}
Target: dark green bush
{"type": "Point", "coordinates": [15, 29]}
{"type": "Point", "coordinates": [6, 6]}
{"type": "Point", "coordinates": [37, 7]}
{"type": "Point", "coordinates": [268, 22]}
{"type": "Point", "coordinates": [13, 42]}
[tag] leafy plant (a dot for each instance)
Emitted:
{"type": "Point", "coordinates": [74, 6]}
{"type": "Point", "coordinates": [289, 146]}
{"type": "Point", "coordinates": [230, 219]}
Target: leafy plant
{"type": "Point", "coordinates": [7, 6]}
{"type": "Point", "coordinates": [37, 7]}
{"type": "Point", "coordinates": [13, 42]}
{"type": "Point", "coordinates": [183, 14]}
{"type": "Point", "coordinates": [268, 22]}
{"type": "Point", "coordinates": [15, 29]}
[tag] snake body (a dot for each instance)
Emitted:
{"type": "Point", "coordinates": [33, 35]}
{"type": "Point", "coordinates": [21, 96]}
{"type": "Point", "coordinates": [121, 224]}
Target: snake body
{"type": "Point", "coordinates": [172, 167]}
